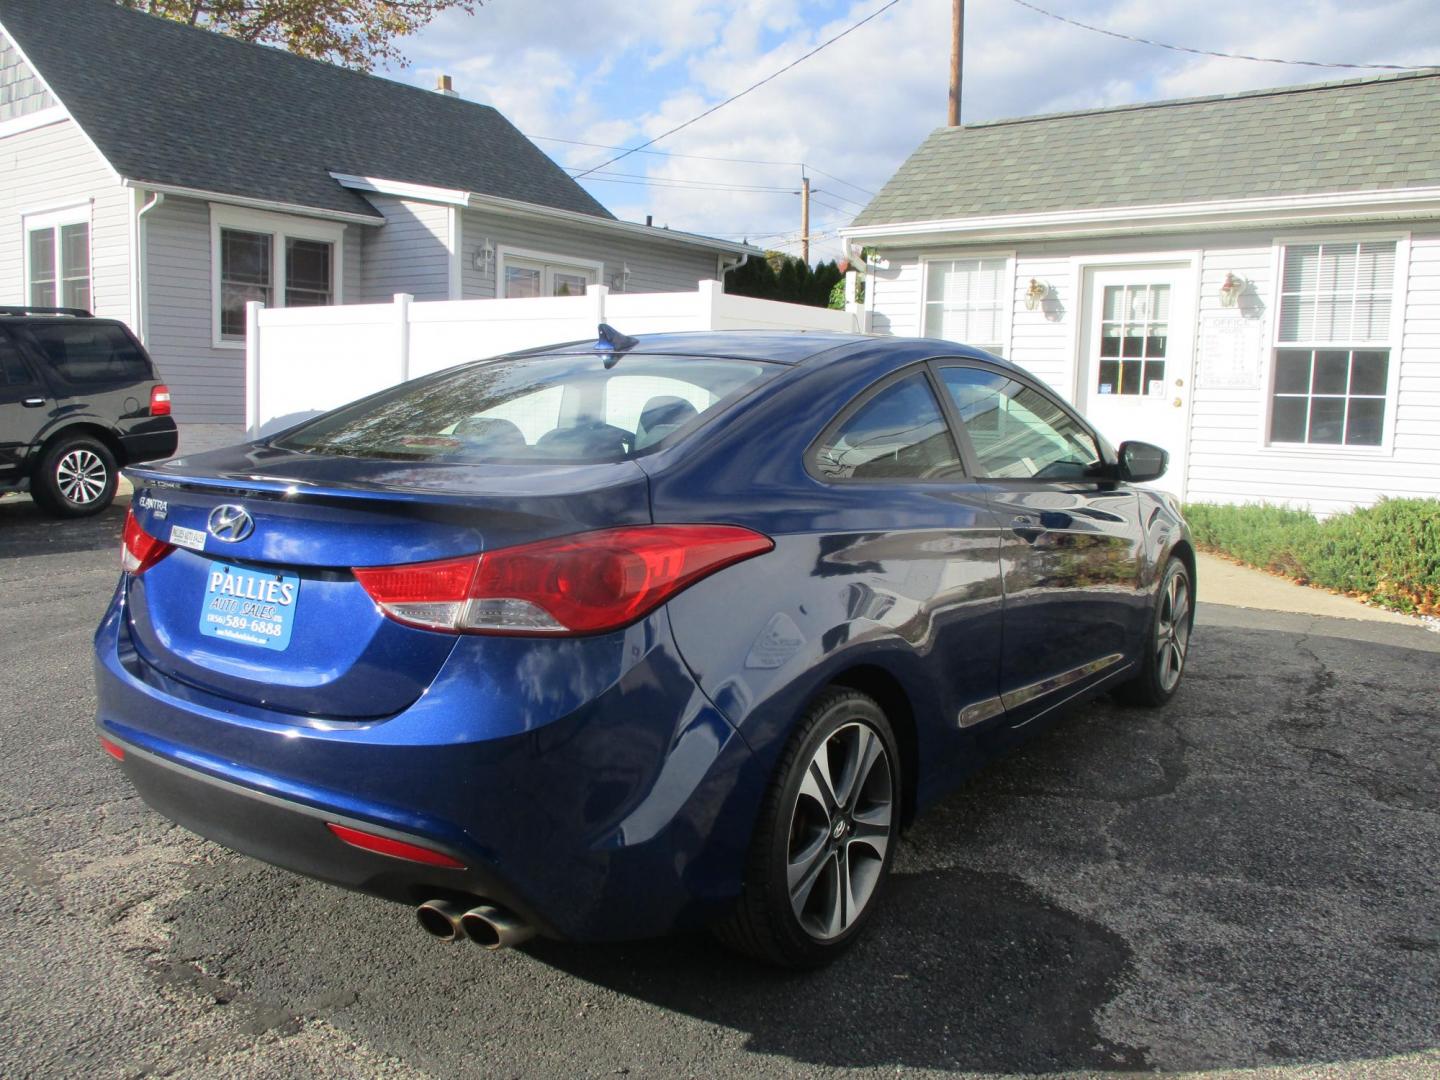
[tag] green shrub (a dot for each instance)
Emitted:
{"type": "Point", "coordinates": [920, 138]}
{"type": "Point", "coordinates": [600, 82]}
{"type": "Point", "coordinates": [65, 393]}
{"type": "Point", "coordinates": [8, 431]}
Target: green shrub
{"type": "Point", "coordinates": [1388, 553]}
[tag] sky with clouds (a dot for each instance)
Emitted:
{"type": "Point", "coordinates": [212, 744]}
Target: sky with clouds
{"type": "Point", "coordinates": [621, 71]}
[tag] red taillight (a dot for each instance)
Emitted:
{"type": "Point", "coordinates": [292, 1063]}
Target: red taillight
{"type": "Point", "coordinates": [581, 584]}
{"type": "Point", "coordinates": [139, 550]}
{"type": "Point", "coordinates": [115, 750]}
{"type": "Point", "coordinates": [396, 849]}
{"type": "Point", "coordinates": [160, 400]}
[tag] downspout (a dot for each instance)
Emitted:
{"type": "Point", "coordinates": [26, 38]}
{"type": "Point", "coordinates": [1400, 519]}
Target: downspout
{"type": "Point", "coordinates": [722, 268]}
{"type": "Point", "coordinates": [142, 263]}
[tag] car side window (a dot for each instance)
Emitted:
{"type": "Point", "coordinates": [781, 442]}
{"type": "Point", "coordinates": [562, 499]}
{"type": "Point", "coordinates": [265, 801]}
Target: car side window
{"type": "Point", "coordinates": [82, 352]}
{"type": "Point", "coordinates": [13, 371]}
{"type": "Point", "coordinates": [900, 433]}
{"type": "Point", "coordinates": [1016, 431]}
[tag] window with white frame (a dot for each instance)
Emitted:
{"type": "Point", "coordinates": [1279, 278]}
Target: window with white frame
{"type": "Point", "coordinates": [531, 274]}
{"type": "Point", "coordinates": [57, 259]}
{"type": "Point", "coordinates": [1333, 343]}
{"type": "Point", "coordinates": [965, 301]}
{"type": "Point", "coordinates": [278, 261]}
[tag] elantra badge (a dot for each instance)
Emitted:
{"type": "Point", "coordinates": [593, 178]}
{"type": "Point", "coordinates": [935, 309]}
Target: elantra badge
{"type": "Point", "coordinates": [230, 523]}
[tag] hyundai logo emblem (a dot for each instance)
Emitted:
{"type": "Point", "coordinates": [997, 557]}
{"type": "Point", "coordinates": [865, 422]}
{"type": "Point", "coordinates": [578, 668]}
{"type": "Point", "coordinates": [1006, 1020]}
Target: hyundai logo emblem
{"type": "Point", "coordinates": [230, 523]}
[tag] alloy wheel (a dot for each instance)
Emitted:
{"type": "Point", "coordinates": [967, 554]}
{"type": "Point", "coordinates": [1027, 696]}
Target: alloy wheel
{"type": "Point", "coordinates": [1172, 630]}
{"type": "Point", "coordinates": [840, 829]}
{"type": "Point", "coordinates": [81, 476]}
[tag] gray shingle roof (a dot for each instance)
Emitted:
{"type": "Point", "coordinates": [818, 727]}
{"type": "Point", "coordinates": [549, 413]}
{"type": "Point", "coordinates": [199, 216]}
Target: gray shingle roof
{"type": "Point", "coordinates": [170, 105]}
{"type": "Point", "coordinates": [1361, 134]}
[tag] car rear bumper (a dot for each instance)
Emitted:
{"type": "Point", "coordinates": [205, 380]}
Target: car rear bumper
{"type": "Point", "coordinates": [626, 817]}
{"type": "Point", "coordinates": [160, 439]}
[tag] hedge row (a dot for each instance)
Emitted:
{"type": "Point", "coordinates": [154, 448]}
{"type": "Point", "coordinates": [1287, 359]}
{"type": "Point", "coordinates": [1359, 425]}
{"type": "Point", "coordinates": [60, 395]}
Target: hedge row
{"type": "Point", "coordinates": [1388, 553]}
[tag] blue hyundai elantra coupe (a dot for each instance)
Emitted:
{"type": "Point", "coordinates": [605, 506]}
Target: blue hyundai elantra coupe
{"type": "Point", "coordinates": [614, 638]}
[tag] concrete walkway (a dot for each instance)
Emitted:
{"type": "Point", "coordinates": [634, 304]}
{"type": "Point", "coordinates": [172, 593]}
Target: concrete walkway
{"type": "Point", "coordinates": [1233, 585]}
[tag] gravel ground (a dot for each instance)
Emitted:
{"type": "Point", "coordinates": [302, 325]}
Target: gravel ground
{"type": "Point", "coordinates": [1246, 879]}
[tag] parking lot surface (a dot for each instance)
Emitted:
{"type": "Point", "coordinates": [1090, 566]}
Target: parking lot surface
{"type": "Point", "coordinates": [1245, 879]}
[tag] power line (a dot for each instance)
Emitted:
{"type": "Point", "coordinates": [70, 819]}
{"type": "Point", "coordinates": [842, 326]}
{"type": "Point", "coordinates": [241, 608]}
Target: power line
{"type": "Point", "coordinates": [678, 182]}
{"type": "Point", "coordinates": [830, 176]}
{"type": "Point", "coordinates": [753, 86]}
{"type": "Point", "coordinates": [643, 179]}
{"type": "Point", "coordinates": [831, 206]}
{"type": "Point", "coordinates": [1210, 52]}
{"type": "Point", "coordinates": [670, 153]}
{"type": "Point", "coordinates": [701, 157]}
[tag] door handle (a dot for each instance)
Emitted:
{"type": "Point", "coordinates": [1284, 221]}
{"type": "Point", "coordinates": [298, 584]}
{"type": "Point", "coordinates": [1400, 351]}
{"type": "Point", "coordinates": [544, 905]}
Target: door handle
{"type": "Point", "coordinates": [32, 402]}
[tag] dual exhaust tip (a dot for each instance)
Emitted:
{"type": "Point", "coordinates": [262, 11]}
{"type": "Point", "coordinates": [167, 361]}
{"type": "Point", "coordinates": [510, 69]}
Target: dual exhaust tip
{"type": "Point", "coordinates": [488, 926]}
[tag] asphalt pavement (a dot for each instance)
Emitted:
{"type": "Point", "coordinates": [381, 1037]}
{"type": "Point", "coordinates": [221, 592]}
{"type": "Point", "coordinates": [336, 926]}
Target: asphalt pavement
{"type": "Point", "coordinates": [1245, 879]}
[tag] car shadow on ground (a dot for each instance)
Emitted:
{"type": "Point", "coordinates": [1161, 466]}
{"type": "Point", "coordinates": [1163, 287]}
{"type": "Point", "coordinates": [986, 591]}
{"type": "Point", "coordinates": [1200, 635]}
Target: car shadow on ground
{"type": "Point", "coordinates": [27, 530]}
{"type": "Point", "coordinates": [962, 969]}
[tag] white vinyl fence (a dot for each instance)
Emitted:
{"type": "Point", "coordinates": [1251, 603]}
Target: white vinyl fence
{"type": "Point", "coordinates": [301, 361]}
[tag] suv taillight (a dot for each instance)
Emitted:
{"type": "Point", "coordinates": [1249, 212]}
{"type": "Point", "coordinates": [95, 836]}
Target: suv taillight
{"type": "Point", "coordinates": [138, 549]}
{"type": "Point", "coordinates": [160, 400]}
{"type": "Point", "coordinates": [583, 584]}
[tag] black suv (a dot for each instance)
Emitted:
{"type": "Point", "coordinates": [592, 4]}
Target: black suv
{"type": "Point", "coordinates": [79, 399]}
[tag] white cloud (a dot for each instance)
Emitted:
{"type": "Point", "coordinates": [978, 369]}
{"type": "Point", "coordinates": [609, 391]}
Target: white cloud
{"type": "Point", "coordinates": [860, 107]}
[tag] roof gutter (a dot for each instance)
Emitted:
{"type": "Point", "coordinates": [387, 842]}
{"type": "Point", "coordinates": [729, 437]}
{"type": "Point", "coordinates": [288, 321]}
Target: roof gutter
{"type": "Point", "coordinates": [519, 208]}
{"type": "Point", "coordinates": [648, 232]}
{"type": "Point", "coordinates": [1385, 205]}
{"type": "Point", "coordinates": [256, 204]}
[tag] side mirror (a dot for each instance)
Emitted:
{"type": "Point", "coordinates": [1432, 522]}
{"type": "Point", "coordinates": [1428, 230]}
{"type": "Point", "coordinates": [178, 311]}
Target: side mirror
{"type": "Point", "coordinates": [1140, 462]}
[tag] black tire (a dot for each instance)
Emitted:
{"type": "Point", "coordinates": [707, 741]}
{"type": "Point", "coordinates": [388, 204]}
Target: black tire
{"type": "Point", "coordinates": [765, 923]}
{"type": "Point", "coordinates": [1167, 641]}
{"type": "Point", "coordinates": [76, 477]}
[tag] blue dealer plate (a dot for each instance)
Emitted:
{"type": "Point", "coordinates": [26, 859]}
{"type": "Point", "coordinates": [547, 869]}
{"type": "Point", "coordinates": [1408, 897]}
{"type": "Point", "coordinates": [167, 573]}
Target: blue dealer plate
{"type": "Point", "coordinates": [249, 606]}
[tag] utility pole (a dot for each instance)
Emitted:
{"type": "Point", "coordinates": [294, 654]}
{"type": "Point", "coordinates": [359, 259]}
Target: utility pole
{"type": "Point", "coordinates": [957, 56]}
{"type": "Point", "coordinates": [805, 219]}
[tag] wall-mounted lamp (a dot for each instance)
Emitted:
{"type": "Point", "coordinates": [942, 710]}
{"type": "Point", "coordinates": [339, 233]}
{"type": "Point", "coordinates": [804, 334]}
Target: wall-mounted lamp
{"type": "Point", "coordinates": [1037, 292]}
{"type": "Point", "coordinates": [484, 257]}
{"type": "Point", "coordinates": [621, 281]}
{"type": "Point", "coordinates": [1230, 290]}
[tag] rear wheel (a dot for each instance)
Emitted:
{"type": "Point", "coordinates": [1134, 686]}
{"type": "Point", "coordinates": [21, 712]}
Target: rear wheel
{"type": "Point", "coordinates": [1167, 642]}
{"type": "Point", "coordinates": [76, 477]}
{"type": "Point", "coordinates": [825, 838]}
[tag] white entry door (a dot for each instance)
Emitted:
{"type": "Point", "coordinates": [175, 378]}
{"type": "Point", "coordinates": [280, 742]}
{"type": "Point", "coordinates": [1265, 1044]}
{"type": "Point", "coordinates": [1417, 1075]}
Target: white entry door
{"type": "Point", "coordinates": [1136, 358]}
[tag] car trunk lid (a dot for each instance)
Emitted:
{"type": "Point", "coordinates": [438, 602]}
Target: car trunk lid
{"type": "Point", "coordinates": [258, 603]}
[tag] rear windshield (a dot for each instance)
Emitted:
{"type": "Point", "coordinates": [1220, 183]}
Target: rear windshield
{"type": "Point", "coordinates": [83, 352]}
{"type": "Point", "coordinates": [563, 408]}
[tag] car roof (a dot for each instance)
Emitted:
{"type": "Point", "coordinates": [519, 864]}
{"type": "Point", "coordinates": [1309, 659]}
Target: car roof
{"type": "Point", "coordinates": [792, 347]}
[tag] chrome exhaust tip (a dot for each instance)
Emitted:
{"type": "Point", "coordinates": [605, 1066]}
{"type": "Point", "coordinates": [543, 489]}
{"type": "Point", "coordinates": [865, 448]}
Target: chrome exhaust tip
{"type": "Point", "coordinates": [441, 919]}
{"type": "Point", "coordinates": [494, 928]}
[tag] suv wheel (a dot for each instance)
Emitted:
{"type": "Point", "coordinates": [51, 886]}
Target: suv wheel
{"type": "Point", "coordinates": [825, 839]}
{"type": "Point", "coordinates": [76, 477]}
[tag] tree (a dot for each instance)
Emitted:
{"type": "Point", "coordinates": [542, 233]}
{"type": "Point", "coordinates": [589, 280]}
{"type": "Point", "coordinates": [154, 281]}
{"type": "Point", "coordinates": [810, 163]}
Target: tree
{"type": "Point", "coordinates": [356, 33]}
{"type": "Point", "coordinates": [783, 277]}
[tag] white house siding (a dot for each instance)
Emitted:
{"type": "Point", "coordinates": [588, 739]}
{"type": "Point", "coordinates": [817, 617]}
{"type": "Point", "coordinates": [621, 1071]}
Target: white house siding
{"type": "Point", "coordinates": [1228, 460]}
{"type": "Point", "coordinates": [408, 254]}
{"type": "Point", "coordinates": [897, 297]}
{"type": "Point", "coordinates": [21, 93]}
{"type": "Point", "coordinates": [655, 266]}
{"type": "Point", "coordinates": [206, 383]}
{"type": "Point", "coordinates": [54, 167]}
